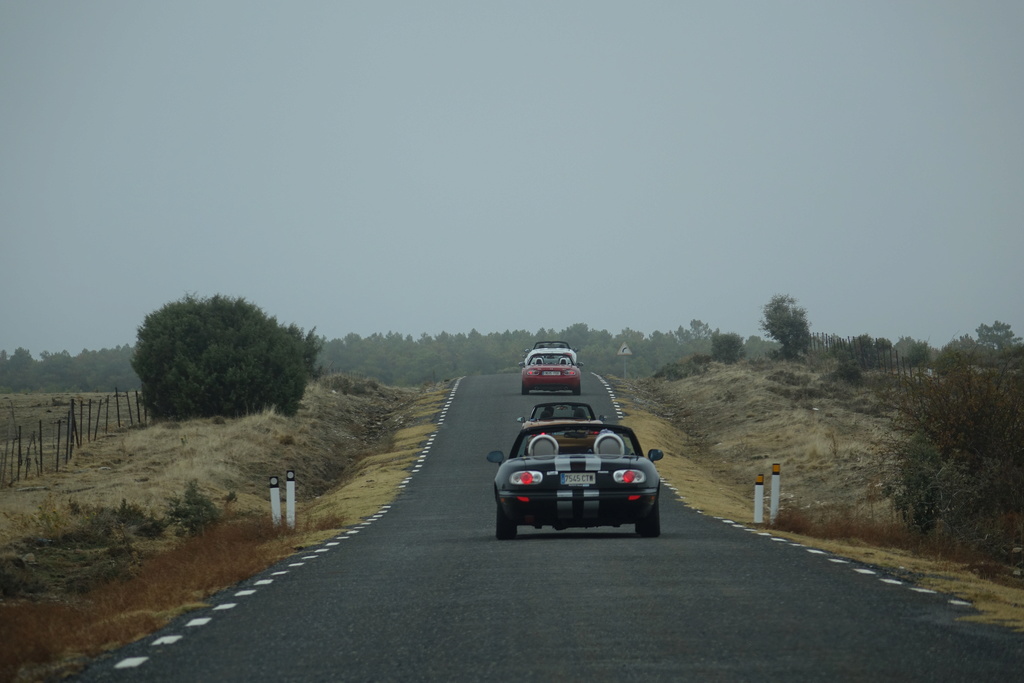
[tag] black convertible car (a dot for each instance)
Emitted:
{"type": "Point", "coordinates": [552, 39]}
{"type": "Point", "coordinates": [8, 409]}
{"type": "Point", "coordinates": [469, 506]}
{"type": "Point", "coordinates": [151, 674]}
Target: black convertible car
{"type": "Point", "coordinates": [576, 475]}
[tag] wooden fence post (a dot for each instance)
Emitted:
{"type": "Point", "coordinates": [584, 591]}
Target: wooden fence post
{"type": "Point", "coordinates": [68, 440]}
{"type": "Point", "coordinates": [19, 453]}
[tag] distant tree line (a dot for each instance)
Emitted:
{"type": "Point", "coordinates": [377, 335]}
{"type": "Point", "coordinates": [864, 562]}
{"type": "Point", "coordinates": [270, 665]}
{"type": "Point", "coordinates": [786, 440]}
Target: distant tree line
{"type": "Point", "coordinates": [89, 371]}
{"type": "Point", "coordinates": [402, 360]}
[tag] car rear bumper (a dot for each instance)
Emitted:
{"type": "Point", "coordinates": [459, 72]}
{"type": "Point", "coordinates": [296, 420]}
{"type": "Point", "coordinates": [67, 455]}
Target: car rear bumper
{"type": "Point", "coordinates": [551, 383]}
{"type": "Point", "coordinates": [579, 507]}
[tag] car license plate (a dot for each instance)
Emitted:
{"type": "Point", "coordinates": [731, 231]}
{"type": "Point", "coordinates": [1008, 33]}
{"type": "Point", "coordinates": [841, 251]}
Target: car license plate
{"type": "Point", "coordinates": [577, 478]}
{"type": "Point", "coordinates": [551, 372]}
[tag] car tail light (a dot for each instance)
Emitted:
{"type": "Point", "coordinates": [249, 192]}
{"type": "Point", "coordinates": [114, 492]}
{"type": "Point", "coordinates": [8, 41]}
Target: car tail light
{"type": "Point", "coordinates": [629, 476]}
{"type": "Point", "coordinates": [568, 372]}
{"type": "Point", "coordinates": [526, 478]}
{"type": "Point", "coordinates": [533, 372]}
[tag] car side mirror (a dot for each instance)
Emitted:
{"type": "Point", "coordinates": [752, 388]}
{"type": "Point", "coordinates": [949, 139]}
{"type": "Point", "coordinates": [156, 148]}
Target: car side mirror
{"type": "Point", "coordinates": [522, 364]}
{"type": "Point", "coordinates": [655, 454]}
{"type": "Point", "coordinates": [496, 457]}
{"type": "Point", "coordinates": [520, 419]}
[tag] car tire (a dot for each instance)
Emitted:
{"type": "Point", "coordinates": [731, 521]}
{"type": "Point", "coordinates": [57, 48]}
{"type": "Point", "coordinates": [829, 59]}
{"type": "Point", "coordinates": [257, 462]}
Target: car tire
{"type": "Point", "coordinates": [504, 529]}
{"type": "Point", "coordinates": [525, 390]}
{"type": "Point", "coordinates": [576, 391]}
{"type": "Point", "coordinates": [650, 526]}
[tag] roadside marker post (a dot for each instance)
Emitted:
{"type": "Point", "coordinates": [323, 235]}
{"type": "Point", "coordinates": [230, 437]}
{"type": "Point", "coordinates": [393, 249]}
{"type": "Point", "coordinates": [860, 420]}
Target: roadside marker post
{"type": "Point", "coordinates": [776, 486]}
{"type": "Point", "coordinates": [275, 501]}
{"type": "Point", "coordinates": [759, 500]}
{"type": "Point", "coordinates": [290, 497]}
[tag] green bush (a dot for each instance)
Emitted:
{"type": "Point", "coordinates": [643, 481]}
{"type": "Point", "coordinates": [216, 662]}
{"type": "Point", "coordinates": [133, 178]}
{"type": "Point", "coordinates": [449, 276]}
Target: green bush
{"type": "Point", "coordinates": [848, 370]}
{"type": "Point", "coordinates": [913, 352]}
{"type": "Point", "coordinates": [726, 347]}
{"type": "Point", "coordinates": [193, 511]}
{"type": "Point", "coordinates": [960, 466]}
{"type": "Point", "coordinates": [221, 356]}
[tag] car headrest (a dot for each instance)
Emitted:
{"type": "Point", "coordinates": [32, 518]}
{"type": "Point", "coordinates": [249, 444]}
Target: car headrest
{"type": "Point", "coordinates": [609, 443]}
{"type": "Point", "coordinates": [543, 444]}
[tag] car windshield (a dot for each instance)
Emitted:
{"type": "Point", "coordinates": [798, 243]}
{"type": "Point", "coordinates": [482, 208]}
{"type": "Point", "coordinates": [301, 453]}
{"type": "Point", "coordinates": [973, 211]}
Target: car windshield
{"type": "Point", "coordinates": [552, 359]}
{"type": "Point", "coordinates": [575, 440]}
{"type": "Point", "coordinates": [563, 411]}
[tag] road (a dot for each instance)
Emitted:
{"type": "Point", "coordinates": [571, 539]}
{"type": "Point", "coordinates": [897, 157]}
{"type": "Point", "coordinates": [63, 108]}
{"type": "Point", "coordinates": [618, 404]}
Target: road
{"type": "Point", "coordinates": [424, 592]}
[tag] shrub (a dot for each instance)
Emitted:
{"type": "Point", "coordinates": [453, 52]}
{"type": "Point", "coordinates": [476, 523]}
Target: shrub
{"type": "Point", "coordinates": [913, 352]}
{"type": "Point", "coordinates": [192, 512]}
{"type": "Point", "coordinates": [960, 465]}
{"type": "Point", "coordinates": [847, 371]}
{"type": "Point", "coordinates": [726, 347]}
{"type": "Point", "coordinates": [221, 356]}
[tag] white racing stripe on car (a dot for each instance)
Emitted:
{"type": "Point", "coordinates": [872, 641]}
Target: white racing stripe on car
{"type": "Point", "coordinates": [565, 503]}
{"type": "Point", "coordinates": [563, 463]}
{"type": "Point", "coordinates": [590, 507]}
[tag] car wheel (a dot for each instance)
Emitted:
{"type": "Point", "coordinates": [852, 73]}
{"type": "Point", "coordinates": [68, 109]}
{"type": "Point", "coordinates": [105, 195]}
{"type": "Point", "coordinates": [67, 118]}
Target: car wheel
{"type": "Point", "coordinates": [576, 391]}
{"type": "Point", "coordinates": [525, 390]}
{"type": "Point", "coordinates": [650, 526]}
{"type": "Point", "coordinates": [505, 529]}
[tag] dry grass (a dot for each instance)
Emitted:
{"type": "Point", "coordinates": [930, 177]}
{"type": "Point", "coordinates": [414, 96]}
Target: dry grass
{"type": "Point", "coordinates": [349, 452]}
{"type": "Point", "coordinates": [721, 429]}
{"type": "Point", "coordinates": [57, 636]}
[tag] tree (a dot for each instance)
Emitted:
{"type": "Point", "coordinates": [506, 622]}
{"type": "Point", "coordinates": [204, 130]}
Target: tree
{"type": "Point", "coordinates": [220, 356]}
{"type": "Point", "coordinates": [726, 347]}
{"type": "Point", "coordinates": [997, 336]}
{"type": "Point", "coordinates": [755, 347]}
{"type": "Point", "coordinates": [786, 323]}
{"type": "Point", "coordinates": [913, 352]}
{"type": "Point", "coordinates": [19, 371]}
{"type": "Point", "coordinates": [695, 339]}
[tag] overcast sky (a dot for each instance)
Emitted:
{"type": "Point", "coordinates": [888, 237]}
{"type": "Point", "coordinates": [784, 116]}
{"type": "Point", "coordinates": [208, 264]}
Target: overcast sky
{"type": "Point", "coordinates": [419, 167]}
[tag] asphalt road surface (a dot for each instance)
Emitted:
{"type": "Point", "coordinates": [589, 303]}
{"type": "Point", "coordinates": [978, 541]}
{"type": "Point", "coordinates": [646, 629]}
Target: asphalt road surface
{"type": "Point", "coordinates": [424, 592]}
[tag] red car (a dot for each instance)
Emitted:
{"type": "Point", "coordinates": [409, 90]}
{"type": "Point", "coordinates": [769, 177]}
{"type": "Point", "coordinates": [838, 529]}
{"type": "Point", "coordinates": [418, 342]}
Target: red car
{"type": "Point", "coordinates": [551, 372]}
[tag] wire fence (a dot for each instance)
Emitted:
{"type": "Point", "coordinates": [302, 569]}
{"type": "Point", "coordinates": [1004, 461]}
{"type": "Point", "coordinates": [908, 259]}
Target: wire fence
{"type": "Point", "coordinates": [49, 445]}
{"type": "Point", "coordinates": [869, 354]}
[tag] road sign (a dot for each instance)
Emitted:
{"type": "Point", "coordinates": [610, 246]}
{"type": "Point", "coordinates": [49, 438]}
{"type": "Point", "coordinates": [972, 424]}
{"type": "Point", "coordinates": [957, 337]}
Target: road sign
{"type": "Point", "coordinates": [624, 350]}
